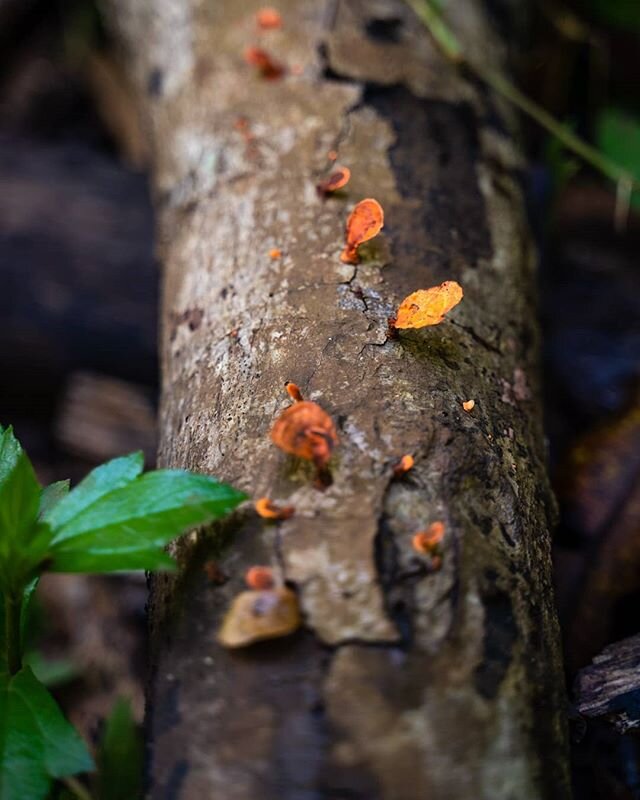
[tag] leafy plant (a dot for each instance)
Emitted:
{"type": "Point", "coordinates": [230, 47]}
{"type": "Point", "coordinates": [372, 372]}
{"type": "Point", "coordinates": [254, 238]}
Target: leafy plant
{"type": "Point", "coordinates": [117, 518]}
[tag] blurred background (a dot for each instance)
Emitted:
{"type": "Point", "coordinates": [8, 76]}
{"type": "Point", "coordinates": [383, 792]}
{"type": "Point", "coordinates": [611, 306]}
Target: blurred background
{"type": "Point", "coordinates": [78, 300]}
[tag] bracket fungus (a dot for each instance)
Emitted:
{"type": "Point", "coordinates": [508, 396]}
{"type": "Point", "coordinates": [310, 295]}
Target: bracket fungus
{"type": "Point", "coordinates": [259, 578]}
{"type": "Point", "coordinates": [306, 431]}
{"type": "Point", "coordinates": [267, 509]}
{"type": "Point", "coordinates": [267, 66]}
{"type": "Point", "coordinates": [365, 221]}
{"type": "Point", "coordinates": [403, 466]}
{"type": "Point", "coordinates": [256, 615]}
{"type": "Point", "coordinates": [338, 179]}
{"type": "Point", "coordinates": [427, 306]}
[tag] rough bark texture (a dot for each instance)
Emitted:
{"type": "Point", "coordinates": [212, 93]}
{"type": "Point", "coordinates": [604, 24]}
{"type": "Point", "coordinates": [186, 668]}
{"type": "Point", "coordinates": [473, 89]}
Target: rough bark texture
{"type": "Point", "coordinates": [404, 684]}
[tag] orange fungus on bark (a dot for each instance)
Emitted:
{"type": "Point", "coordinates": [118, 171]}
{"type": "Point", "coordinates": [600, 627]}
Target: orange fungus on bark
{"type": "Point", "coordinates": [365, 222]}
{"type": "Point", "coordinates": [267, 509]}
{"type": "Point", "coordinates": [338, 178]}
{"type": "Point", "coordinates": [293, 390]}
{"type": "Point", "coordinates": [403, 466]}
{"type": "Point", "coordinates": [259, 578]}
{"type": "Point", "coordinates": [268, 18]}
{"type": "Point", "coordinates": [267, 66]}
{"type": "Point", "coordinates": [306, 431]}
{"type": "Point", "coordinates": [428, 306]}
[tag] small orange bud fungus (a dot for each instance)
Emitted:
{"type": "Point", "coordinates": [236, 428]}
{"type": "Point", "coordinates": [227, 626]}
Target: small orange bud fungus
{"type": "Point", "coordinates": [275, 253]}
{"type": "Point", "coordinates": [332, 155]}
{"type": "Point", "coordinates": [306, 431]}
{"type": "Point", "coordinates": [403, 466]}
{"type": "Point", "coordinates": [259, 578]}
{"type": "Point", "coordinates": [338, 178]}
{"type": "Point", "coordinates": [267, 66]}
{"type": "Point", "coordinates": [268, 18]}
{"type": "Point", "coordinates": [293, 390]}
{"type": "Point", "coordinates": [428, 306]}
{"type": "Point", "coordinates": [427, 541]}
{"type": "Point", "coordinates": [260, 614]}
{"type": "Point", "coordinates": [364, 222]}
{"type": "Point", "coordinates": [468, 405]}
{"type": "Point", "coordinates": [267, 509]}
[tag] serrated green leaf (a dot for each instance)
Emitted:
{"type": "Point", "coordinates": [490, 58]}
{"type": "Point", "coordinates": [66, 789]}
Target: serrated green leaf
{"type": "Point", "coordinates": [51, 496]}
{"type": "Point", "coordinates": [19, 502]}
{"type": "Point", "coordinates": [101, 481]}
{"type": "Point", "coordinates": [37, 744]}
{"type": "Point", "coordinates": [127, 528]}
{"type": "Point", "coordinates": [120, 760]}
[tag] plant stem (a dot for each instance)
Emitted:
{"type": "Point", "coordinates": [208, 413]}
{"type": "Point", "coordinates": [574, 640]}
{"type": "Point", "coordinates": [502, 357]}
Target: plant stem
{"type": "Point", "coordinates": [451, 47]}
{"type": "Point", "coordinates": [13, 611]}
{"type": "Point", "coordinates": [76, 788]}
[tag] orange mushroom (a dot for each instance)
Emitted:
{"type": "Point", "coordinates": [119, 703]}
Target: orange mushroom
{"type": "Point", "coordinates": [267, 509]}
{"type": "Point", "coordinates": [268, 18]}
{"type": "Point", "coordinates": [426, 542]}
{"type": "Point", "coordinates": [338, 178]}
{"type": "Point", "coordinates": [267, 66]}
{"type": "Point", "coordinates": [427, 306]}
{"type": "Point", "coordinates": [293, 390]}
{"type": "Point", "coordinates": [469, 405]}
{"type": "Point", "coordinates": [403, 466]}
{"type": "Point", "coordinates": [306, 431]}
{"type": "Point", "coordinates": [364, 222]}
{"type": "Point", "coordinates": [259, 578]}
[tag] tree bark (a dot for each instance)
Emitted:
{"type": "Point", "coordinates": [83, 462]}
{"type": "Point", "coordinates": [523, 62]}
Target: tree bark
{"type": "Point", "coordinates": [405, 683]}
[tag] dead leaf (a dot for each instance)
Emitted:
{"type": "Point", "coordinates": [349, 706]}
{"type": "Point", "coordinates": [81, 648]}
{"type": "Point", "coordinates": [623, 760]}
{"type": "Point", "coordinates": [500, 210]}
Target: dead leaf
{"type": "Point", "coordinates": [259, 578]}
{"type": "Point", "coordinates": [365, 222]}
{"type": "Point", "coordinates": [268, 18]}
{"type": "Point", "coordinates": [306, 431]}
{"type": "Point", "coordinates": [428, 306]}
{"type": "Point", "coordinates": [270, 510]}
{"type": "Point", "coordinates": [268, 67]}
{"type": "Point", "coordinates": [257, 615]}
{"type": "Point", "coordinates": [338, 178]}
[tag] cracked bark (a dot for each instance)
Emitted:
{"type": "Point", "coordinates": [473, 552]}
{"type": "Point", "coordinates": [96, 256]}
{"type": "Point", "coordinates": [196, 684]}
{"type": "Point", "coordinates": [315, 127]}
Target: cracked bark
{"type": "Point", "coordinates": [404, 684]}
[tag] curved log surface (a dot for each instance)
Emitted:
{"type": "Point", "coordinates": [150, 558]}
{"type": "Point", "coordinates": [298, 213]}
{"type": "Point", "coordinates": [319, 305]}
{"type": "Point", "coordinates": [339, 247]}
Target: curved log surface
{"type": "Point", "coordinates": [405, 683]}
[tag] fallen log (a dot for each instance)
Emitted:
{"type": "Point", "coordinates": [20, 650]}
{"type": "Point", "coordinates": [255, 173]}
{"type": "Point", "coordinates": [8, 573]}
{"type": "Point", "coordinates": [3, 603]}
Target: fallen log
{"type": "Point", "coordinates": [408, 681]}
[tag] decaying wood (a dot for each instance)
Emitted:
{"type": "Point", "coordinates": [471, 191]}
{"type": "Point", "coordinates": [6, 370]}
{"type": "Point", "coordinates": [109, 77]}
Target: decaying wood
{"type": "Point", "coordinates": [405, 683]}
{"type": "Point", "coordinates": [610, 686]}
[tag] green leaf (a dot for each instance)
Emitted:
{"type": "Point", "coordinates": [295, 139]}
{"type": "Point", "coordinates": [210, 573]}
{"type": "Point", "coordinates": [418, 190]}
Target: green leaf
{"type": "Point", "coordinates": [618, 136]}
{"type": "Point", "coordinates": [51, 672]}
{"type": "Point", "coordinates": [101, 481]}
{"type": "Point", "coordinates": [51, 496]}
{"type": "Point", "coordinates": [120, 760]}
{"type": "Point", "coordinates": [19, 502]}
{"type": "Point", "coordinates": [127, 528]}
{"type": "Point", "coordinates": [37, 744]}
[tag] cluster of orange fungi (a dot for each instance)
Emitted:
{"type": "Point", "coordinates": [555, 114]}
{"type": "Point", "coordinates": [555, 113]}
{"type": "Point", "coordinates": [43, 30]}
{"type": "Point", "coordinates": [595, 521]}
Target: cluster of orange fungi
{"type": "Point", "coordinates": [305, 430]}
{"type": "Point", "coordinates": [268, 609]}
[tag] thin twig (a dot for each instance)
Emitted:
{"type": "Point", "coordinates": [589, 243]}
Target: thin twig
{"type": "Point", "coordinates": [451, 47]}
